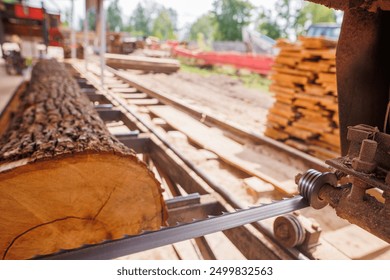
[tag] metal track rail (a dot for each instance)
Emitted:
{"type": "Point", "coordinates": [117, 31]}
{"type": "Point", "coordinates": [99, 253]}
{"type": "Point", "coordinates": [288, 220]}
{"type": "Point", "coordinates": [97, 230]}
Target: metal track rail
{"type": "Point", "coordinates": [216, 187]}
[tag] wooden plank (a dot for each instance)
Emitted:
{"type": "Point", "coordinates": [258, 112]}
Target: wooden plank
{"type": "Point", "coordinates": [143, 102]}
{"type": "Point", "coordinates": [323, 53]}
{"type": "Point", "coordinates": [355, 242]}
{"type": "Point", "coordinates": [163, 65]}
{"type": "Point", "coordinates": [322, 152]}
{"type": "Point", "coordinates": [289, 78]}
{"type": "Point", "coordinates": [300, 133]}
{"type": "Point", "coordinates": [276, 134]}
{"type": "Point", "coordinates": [133, 96]}
{"type": "Point", "coordinates": [292, 71]}
{"type": "Point", "coordinates": [227, 149]}
{"type": "Point", "coordinates": [277, 88]}
{"type": "Point", "coordinates": [297, 145]}
{"type": "Point", "coordinates": [286, 113]}
{"type": "Point", "coordinates": [256, 187]}
{"type": "Point", "coordinates": [125, 90]}
{"type": "Point", "coordinates": [327, 78]}
{"type": "Point", "coordinates": [278, 119]}
{"type": "Point", "coordinates": [317, 42]}
{"type": "Point", "coordinates": [286, 60]}
{"type": "Point", "coordinates": [117, 85]}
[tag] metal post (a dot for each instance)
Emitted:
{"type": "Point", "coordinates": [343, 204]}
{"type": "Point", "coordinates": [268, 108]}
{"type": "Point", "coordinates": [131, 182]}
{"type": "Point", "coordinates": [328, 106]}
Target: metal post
{"type": "Point", "coordinates": [102, 40]}
{"type": "Point", "coordinates": [73, 34]}
{"type": "Point", "coordinates": [86, 38]}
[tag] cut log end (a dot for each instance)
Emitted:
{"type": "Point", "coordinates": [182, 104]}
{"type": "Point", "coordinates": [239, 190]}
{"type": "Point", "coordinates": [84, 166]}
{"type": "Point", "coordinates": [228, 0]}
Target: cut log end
{"type": "Point", "coordinates": [68, 202]}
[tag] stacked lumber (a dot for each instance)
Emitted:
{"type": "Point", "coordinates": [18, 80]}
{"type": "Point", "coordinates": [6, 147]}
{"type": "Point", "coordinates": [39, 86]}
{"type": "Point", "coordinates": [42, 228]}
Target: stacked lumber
{"type": "Point", "coordinates": [147, 64]}
{"type": "Point", "coordinates": [305, 114]}
{"type": "Point", "coordinates": [65, 180]}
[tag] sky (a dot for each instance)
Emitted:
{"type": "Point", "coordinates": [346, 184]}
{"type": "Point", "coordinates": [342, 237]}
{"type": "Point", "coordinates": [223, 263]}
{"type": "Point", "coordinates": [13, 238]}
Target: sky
{"type": "Point", "coordinates": [188, 11]}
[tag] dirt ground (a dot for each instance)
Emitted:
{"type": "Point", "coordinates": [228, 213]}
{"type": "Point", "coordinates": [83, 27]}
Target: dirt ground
{"type": "Point", "coordinates": [8, 85]}
{"type": "Point", "coordinates": [218, 94]}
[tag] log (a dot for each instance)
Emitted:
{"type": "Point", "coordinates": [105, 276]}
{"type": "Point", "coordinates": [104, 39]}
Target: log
{"type": "Point", "coordinates": [65, 180]}
{"type": "Point", "coordinates": [148, 64]}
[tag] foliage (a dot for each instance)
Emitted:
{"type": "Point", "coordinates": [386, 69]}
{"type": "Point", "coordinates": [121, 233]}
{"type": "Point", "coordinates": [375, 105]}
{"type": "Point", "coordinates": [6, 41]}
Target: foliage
{"type": "Point", "coordinates": [290, 18]}
{"type": "Point", "coordinates": [204, 25]}
{"type": "Point", "coordinates": [231, 16]}
{"type": "Point", "coordinates": [268, 25]}
{"type": "Point", "coordinates": [140, 21]}
{"type": "Point", "coordinates": [163, 27]}
{"type": "Point", "coordinates": [151, 18]}
{"type": "Point", "coordinates": [91, 20]}
{"type": "Point", "coordinates": [114, 16]}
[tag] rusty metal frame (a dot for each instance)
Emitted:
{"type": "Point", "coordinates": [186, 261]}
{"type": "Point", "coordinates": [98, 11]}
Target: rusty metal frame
{"type": "Point", "coordinates": [363, 63]}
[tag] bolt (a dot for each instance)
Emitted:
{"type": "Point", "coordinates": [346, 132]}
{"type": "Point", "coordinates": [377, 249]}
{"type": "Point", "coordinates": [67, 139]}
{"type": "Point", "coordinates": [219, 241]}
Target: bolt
{"type": "Point", "coordinates": [368, 150]}
{"type": "Point", "coordinates": [315, 226]}
{"type": "Point", "coordinates": [297, 213]}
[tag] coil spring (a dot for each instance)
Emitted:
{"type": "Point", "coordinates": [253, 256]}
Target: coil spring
{"type": "Point", "coordinates": [311, 182]}
{"type": "Point", "coordinates": [307, 184]}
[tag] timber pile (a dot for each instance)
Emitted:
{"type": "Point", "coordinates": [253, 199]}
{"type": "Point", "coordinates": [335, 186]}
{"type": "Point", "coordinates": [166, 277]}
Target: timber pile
{"type": "Point", "coordinates": [305, 114]}
{"type": "Point", "coordinates": [147, 64]}
{"type": "Point", "coordinates": [64, 180]}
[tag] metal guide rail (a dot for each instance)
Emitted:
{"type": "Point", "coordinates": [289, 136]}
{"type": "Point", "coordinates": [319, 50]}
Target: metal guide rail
{"type": "Point", "coordinates": [251, 237]}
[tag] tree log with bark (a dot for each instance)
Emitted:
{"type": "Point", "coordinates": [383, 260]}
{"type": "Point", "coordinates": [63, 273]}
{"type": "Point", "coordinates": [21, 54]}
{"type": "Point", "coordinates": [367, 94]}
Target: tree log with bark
{"type": "Point", "coordinates": [65, 180]}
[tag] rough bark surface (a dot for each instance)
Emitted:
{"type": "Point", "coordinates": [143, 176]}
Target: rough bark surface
{"type": "Point", "coordinates": [55, 119]}
{"type": "Point", "coordinates": [64, 180]}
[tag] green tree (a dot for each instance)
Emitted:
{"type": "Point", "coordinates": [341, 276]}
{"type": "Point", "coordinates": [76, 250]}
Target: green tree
{"type": "Point", "coordinates": [267, 24]}
{"type": "Point", "coordinates": [291, 18]}
{"type": "Point", "coordinates": [114, 16]}
{"type": "Point", "coordinates": [231, 16]}
{"type": "Point", "coordinates": [314, 13]}
{"type": "Point", "coordinates": [163, 26]}
{"type": "Point", "coordinates": [91, 20]}
{"type": "Point", "coordinates": [140, 20]}
{"type": "Point", "coordinates": [173, 15]}
{"type": "Point", "coordinates": [205, 25]}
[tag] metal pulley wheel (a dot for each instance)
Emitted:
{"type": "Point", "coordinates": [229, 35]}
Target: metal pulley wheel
{"type": "Point", "coordinates": [289, 231]}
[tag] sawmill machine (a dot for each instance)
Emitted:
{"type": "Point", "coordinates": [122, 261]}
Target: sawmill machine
{"type": "Point", "coordinates": [29, 24]}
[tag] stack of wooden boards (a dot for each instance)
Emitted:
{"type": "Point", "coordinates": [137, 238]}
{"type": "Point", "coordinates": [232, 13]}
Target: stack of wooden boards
{"type": "Point", "coordinates": [305, 114]}
{"type": "Point", "coordinates": [65, 181]}
{"type": "Point", "coordinates": [144, 63]}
